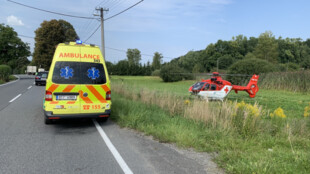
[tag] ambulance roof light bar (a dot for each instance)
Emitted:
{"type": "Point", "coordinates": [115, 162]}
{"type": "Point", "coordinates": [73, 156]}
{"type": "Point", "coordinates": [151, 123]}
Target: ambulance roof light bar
{"type": "Point", "coordinates": [78, 42]}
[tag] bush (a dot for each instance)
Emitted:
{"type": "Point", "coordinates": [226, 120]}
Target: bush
{"type": "Point", "coordinates": [5, 72]}
{"type": "Point", "coordinates": [249, 66]}
{"type": "Point", "coordinates": [288, 67]}
{"type": "Point", "coordinates": [173, 73]}
{"type": "Point", "coordinates": [11, 78]}
{"type": "Point", "coordinates": [156, 72]}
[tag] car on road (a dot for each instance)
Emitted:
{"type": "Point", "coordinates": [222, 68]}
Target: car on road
{"type": "Point", "coordinates": [40, 78]}
{"type": "Point", "coordinates": [78, 84]}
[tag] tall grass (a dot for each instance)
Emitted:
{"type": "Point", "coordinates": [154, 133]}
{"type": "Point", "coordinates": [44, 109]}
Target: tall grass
{"type": "Point", "coordinates": [298, 81]}
{"type": "Point", "coordinates": [246, 139]}
{"type": "Point", "coordinates": [245, 119]}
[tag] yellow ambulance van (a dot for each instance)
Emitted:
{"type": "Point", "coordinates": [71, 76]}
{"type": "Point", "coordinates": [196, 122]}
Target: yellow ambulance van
{"type": "Point", "coordinates": [78, 84]}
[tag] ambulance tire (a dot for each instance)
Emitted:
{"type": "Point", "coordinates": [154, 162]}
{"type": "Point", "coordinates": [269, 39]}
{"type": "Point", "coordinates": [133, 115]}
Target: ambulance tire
{"type": "Point", "coordinates": [47, 121]}
{"type": "Point", "coordinates": [36, 84]}
{"type": "Point", "coordinates": [104, 119]}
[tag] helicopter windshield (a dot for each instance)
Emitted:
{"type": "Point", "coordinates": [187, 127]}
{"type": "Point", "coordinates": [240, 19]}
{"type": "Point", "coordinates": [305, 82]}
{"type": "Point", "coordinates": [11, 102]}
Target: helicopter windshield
{"type": "Point", "coordinates": [198, 85]}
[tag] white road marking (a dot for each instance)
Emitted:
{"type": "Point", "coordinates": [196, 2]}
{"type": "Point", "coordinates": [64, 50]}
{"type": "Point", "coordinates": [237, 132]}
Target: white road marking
{"type": "Point", "coordinates": [34, 82]}
{"type": "Point", "coordinates": [29, 87]}
{"type": "Point", "coordinates": [15, 98]}
{"type": "Point", "coordinates": [115, 153]}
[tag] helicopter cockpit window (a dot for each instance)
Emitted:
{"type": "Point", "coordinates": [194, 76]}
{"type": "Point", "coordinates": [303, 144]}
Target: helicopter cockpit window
{"type": "Point", "coordinates": [206, 88]}
{"type": "Point", "coordinates": [198, 86]}
{"type": "Point", "coordinates": [213, 87]}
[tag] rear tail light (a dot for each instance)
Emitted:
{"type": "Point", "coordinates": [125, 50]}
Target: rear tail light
{"type": "Point", "coordinates": [48, 96]}
{"type": "Point", "coordinates": [37, 77]}
{"type": "Point", "coordinates": [53, 118]}
{"type": "Point", "coordinates": [108, 95]}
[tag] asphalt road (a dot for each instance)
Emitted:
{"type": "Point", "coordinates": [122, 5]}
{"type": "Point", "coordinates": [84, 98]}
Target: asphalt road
{"type": "Point", "coordinates": [27, 145]}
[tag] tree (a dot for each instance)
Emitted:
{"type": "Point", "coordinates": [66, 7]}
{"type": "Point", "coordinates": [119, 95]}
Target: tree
{"type": "Point", "coordinates": [48, 36]}
{"type": "Point", "coordinates": [133, 56]}
{"type": "Point", "coordinates": [173, 73]}
{"type": "Point", "coordinates": [157, 59]}
{"type": "Point", "coordinates": [13, 51]}
{"type": "Point", "coordinates": [225, 61]}
{"type": "Point", "coordinates": [249, 66]}
{"type": "Point", "coordinates": [267, 47]}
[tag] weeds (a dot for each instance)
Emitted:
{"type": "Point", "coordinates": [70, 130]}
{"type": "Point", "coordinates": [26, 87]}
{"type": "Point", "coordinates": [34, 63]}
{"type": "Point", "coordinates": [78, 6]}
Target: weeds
{"type": "Point", "coordinates": [291, 81]}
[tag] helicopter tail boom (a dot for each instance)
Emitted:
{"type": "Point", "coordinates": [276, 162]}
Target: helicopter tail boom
{"type": "Point", "coordinates": [251, 88]}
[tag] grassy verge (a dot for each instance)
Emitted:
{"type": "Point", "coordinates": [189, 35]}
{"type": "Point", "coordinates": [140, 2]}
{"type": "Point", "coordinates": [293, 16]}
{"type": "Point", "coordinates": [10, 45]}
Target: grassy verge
{"type": "Point", "coordinates": [243, 134]}
{"type": "Point", "coordinates": [11, 78]}
{"type": "Point", "coordinates": [265, 152]}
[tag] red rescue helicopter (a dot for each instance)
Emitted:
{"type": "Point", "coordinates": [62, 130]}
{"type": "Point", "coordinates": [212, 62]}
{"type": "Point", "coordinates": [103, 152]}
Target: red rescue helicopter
{"type": "Point", "coordinates": [217, 89]}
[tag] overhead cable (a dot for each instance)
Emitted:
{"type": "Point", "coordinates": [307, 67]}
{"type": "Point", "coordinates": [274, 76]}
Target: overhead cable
{"type": "Point", "coordinates": [62, 14]}
{"type": "Point", "coordinates": [123, 11]}
{"type": "Point", "coordinates": [93, 33]}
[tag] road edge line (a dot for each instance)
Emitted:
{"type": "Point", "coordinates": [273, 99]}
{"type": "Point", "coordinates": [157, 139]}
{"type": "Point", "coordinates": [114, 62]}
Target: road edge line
{"type": "Point", "coordinates": [113, 150]}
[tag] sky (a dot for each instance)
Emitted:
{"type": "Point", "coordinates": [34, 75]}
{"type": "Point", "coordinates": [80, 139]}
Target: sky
{"type": "Point", "coordinates": [170, 27]}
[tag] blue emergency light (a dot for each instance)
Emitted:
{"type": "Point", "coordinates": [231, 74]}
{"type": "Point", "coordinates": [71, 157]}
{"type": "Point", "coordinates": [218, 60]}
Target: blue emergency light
{"type": "Point", "coordinates": [78, 42]}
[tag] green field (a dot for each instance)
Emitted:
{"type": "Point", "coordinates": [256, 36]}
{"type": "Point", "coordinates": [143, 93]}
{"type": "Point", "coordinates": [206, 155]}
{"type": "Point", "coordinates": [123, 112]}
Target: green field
{"type": "Point", "coordinates": [240, 141]}
{"type": "Point", "coordinates": [293, 104]}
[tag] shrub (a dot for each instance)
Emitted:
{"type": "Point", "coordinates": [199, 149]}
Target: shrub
{"type": "Point", "coordinates": [288, 67]}
{"type": "Point", "coordinates": [173, 73]}
{"type": "Point", "coordinates": [5, 72]}
{"type": "Point", "coordinates": [156, 72]}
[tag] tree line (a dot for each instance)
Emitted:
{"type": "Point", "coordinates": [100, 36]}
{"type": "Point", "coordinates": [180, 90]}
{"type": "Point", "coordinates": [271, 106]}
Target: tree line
{"type": "Point", "coordinates": [241, 54]}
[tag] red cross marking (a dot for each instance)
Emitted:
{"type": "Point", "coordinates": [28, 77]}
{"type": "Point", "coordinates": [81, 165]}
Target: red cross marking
{"type": "Point", "coordinates": [226, 90]}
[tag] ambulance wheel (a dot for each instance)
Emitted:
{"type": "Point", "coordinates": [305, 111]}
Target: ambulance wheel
{"type": "Point", "coordinates": [36, 84]}
{"type": "Point", "coordinates": [47, 121]}
{"type": "Point", "coordinates": [104, 119]}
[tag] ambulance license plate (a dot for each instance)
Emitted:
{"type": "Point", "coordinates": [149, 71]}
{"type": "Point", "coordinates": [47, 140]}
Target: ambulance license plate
{"type": "Point", "coordinates": [65, 97]}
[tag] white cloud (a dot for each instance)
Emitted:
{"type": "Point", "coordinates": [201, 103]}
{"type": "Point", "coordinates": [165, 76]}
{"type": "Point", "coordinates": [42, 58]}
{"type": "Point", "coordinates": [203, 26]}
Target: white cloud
{"type": "Point", "coordinates": [13, 20]}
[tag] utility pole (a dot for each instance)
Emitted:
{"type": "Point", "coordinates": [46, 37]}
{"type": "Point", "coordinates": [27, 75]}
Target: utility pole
{"type": "Point", "coordinates": [102, 28]}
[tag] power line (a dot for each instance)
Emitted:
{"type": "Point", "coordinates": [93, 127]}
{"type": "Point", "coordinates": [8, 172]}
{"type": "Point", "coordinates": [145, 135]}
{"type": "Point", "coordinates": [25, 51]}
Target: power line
{"type": "Point", "coordinates": [62, 14]}
{"type": "Point", "coordinates": [115, 49]}
{"type": "Point", "coordinates": [123, 11]}
{"type": "Point", "coordinates": [93, 33]}
{"type": "Point", "coordinates": [112, 17]}
{"type": "Point", "coordinates": [26, 36]}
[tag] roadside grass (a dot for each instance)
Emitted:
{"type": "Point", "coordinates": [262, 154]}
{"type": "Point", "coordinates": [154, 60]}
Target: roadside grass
{"type": "Point", "coordinates": [239, 130]}
{"type": "Point", "coordinates": [11, 78]}
{"type": "Point", "coordinates": [273, 146]}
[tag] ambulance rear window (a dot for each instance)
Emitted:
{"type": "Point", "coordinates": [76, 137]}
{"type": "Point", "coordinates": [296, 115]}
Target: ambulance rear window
{"type": "Point", "coordinates": [78, 73]}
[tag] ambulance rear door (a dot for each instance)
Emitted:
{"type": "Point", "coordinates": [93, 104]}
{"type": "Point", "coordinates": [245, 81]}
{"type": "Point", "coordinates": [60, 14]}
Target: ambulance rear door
{"type": "Point", "coordinates": [66, 80]}
{"type": "Point", "coordinates": [94, 81]}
